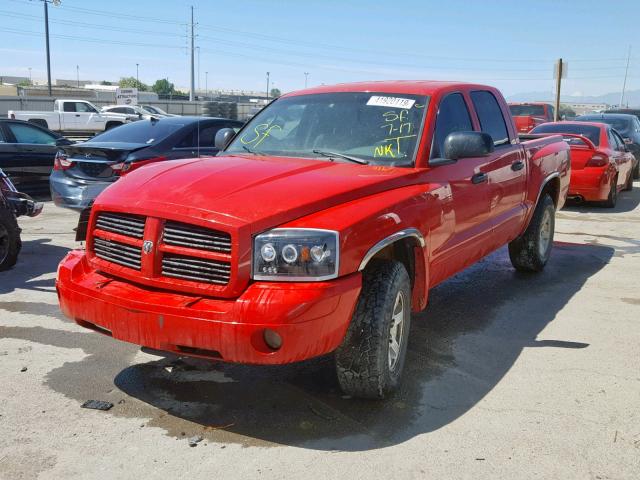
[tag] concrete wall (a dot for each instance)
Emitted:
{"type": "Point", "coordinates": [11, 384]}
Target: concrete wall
{"type": "Point", "coordinates": [245, 110]}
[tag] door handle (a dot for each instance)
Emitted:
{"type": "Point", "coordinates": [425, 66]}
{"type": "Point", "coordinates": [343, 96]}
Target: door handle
{"type": "Point", "coordinates": [77, 114]}
{"type": "Point", "coordinates": [479, 178]}
{"type": "Point", "coordinates": [519, 165]}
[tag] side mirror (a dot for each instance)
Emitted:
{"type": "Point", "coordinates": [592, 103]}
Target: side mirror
{"type": "Point", "coordinates": [61, 142]}
{"type": "Point", "coordinates": [467, 144]}
{"type": "Point", "coordinates": [223, 137]}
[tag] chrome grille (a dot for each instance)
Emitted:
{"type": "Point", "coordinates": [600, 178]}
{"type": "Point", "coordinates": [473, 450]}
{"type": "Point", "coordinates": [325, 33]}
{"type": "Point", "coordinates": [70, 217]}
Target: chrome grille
{"type": "Point", "coordinates": [196, 269]}
{"type": "Point", "coordinates": [117, 252]}
{"type": "Point", "coordinates": [127, 225]}
{"type": "Point", "coordinates": [192, 236]}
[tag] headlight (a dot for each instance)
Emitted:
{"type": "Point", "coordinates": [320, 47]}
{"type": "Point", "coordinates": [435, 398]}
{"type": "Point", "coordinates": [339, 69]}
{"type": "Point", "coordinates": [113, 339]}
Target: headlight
{"type": "Point", "coordinates": [292, 254]}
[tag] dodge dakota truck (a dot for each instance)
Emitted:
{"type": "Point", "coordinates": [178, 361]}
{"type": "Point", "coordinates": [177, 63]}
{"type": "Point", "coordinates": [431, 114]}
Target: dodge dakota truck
{"type": "Point", "coordinates": [72, 116]}
{"type": "Point", "coordinates": [319, 228]}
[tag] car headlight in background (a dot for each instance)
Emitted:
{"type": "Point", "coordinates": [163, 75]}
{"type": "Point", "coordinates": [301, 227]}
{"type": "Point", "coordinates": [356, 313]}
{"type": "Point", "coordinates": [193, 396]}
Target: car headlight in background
{"type": "Point", "coordinates": [293, 254]}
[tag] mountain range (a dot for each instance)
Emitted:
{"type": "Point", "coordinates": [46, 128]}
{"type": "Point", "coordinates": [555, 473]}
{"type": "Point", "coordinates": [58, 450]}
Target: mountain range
{"type": "Point", "coordinates": [631, 97]}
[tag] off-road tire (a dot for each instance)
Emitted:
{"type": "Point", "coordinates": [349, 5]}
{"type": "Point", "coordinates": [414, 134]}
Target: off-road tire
{"type": "Point", "coordinates": [10, 243]}
{"type": "Point", "coordinates": [530, 252]}
{"type": "Point", "coordinates": [363, 362]}
{"type": "Point", "coordinates": [612, 199]}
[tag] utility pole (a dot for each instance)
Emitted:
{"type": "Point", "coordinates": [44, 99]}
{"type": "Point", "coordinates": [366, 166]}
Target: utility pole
{"type": "Point", "coordinates": [624, 84]}
{"type": "Point", "coordinates": [78, 75]}
{"type": "Point", "coordinates": [267, 85]}
{"type": "Point", "coordinates": [306, 77]}
{"type": "Point", "coordinates": [206, 85]}
{"type": "Point", "coordinates": [556, 113]}
{"type": "Point", "coordinates": [46, 31]}
{"type": "Point", "coordinates": [137, 76]}
{"type": "Point", "coordinates": [193, 83]}
{"type": "Point", "coordinates": [198, 50]}
{"type": "Point", "coordinates": [30, 81]}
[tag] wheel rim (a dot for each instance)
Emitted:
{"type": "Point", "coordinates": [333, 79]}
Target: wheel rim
{"type": "Point", "coordinates": [4, 243]}
{"type": "Point", "coordinates": [396, 331]}
{"type": "Point", "coordinates": [545, 234]}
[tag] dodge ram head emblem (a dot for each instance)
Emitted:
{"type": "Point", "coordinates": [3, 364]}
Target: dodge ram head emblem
{"type": "Point", "coordinates": [147, 246]}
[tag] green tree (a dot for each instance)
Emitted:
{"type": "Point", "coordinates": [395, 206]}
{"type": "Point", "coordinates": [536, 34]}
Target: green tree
{"type": "Point", "coordinates": [275, 93]}
{"type": "Point", "coordinates": [24, 83]}
{"type": "Point", "coordinates": [565, 111]}
{"type": "Point", "coordinates": [163, 87]}
{"type": "Point", "coordinates": [105, 82]}
{"type": "Point", "coordinates": [131, 82]}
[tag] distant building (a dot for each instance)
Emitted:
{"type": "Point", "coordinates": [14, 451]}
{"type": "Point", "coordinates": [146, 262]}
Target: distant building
{"type": "Point", "coordinates": [72, 83]}
{"type": "Point", "coordinates": [584, 108]}
{"type": "Point", "coordinates": [12, 80]}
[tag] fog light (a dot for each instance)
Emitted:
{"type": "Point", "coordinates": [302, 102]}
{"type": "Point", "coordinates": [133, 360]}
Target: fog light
{"type": "Point", "coordinates": [272, 339]}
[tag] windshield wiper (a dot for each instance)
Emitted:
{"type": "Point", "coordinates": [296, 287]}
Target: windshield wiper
{"type": "Point", "coordinates": [251, 151]}
{"type": "Point", "coordinates": [341, 155]}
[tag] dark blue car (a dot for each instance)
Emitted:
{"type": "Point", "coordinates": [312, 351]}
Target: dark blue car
{"type": "Point", "coordinates": [81, 171]}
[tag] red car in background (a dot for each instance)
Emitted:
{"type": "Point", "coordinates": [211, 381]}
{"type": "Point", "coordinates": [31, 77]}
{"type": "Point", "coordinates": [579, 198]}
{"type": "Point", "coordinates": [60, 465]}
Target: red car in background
{"type": "Point", "coordinates": [601, 164]}
{"type": "Point", "coordinates": [529, 115]}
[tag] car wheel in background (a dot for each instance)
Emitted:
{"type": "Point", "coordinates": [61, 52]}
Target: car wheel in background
{"type": "Point", "coordinates": [10, 243]}
{"type": "Point", "coordinates": [612, 199]}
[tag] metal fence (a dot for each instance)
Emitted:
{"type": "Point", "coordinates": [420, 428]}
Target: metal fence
{"type": "Point", "coordinates": [178, 107]}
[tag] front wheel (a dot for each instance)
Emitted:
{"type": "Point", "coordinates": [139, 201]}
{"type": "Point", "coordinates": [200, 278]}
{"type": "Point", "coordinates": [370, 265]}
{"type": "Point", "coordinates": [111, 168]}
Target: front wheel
{"type": "Point", "coordinates": [531, 251]}
{"type": "Point", "coordinates": [10, 243]}
{"type": "Point", "coordinates": [370, 360]}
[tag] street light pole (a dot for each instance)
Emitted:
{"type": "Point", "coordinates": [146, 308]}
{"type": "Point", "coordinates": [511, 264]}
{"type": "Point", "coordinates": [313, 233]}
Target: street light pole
{"type": "Point", "coordinates": [267, 85]}
{"type": "Point", "coordinates": [137, 76]}
{"type": "Point", "coordinates": [206, 85]}
{"type": "Point", "coordinates": [78, 75]}
{"type": "Point", "coordinates": [46, 30]}
{"type": "Point", "coordinates": [193, 86]}
{"type": "Point", "coordinates": [198, 50]}
{"type": "Point", "coordinates": [30, 81]}
{"type": "Point", "coordinates": [306, 77]}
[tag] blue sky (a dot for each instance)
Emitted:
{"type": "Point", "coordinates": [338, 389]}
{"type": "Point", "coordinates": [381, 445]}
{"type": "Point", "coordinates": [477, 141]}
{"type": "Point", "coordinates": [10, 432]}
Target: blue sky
{"type": "Point", "coordinates": [509, 44]}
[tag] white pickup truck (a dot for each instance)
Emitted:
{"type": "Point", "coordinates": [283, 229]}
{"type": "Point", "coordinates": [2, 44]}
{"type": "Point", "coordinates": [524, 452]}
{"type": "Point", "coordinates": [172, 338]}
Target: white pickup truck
{"type": "Point", "coordinates": [72, 116]}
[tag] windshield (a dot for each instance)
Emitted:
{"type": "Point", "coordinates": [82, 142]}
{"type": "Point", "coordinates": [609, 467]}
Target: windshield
{"type": "Point", "coordinates": [526, 110]}
{"type": "Point", "coordinates": [589, 131]}
{"type": "Point", "coordinates": [143, 131]}
{"type": "Point", "coordinates": [622, 125]}
{"type": "Point", "coordinates": [379, 128]}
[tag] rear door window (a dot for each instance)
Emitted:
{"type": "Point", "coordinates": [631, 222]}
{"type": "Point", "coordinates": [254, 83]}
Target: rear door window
{"type": "Point", "coordinates": [453, 116]}
{"type": "Point", "coordinates": [69, 106]}
{"type": "Point", "coordinates": [31, 135]}
{"type": "Point", "coordinates": [490, 116]}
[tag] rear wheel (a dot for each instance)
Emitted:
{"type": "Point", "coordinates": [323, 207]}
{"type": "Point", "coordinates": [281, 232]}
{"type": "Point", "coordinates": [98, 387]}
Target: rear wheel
{"type": "Point", "coordinates": [629, 185]}
{"type": "Point", "coordinates": [612, 199]}
{"type": "Point", "coordinates": [530, 252]}
{"type": "Point", "coordinates": [370, 360]}
{"type": "Point", "coordinates": [10, 243]}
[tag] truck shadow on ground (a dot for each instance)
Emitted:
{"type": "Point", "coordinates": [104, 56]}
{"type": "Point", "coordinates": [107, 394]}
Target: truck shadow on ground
{"type": "Point", "coordinates": [37, 258]}
{"type": "Point", "coordinates": [474, 329]}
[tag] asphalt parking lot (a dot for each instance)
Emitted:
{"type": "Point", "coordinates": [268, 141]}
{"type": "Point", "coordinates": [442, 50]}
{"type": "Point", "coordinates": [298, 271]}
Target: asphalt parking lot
{"type": "Point", "coordinates": [508, 376]}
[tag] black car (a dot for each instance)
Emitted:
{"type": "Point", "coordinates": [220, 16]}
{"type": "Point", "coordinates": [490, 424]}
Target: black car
{"type": "Point", "coordinates": [12, 205]}
{"type": "Point", "coordinates": [628, 111]}
{"type": "Point", "coordinates": [628, 126]}
{"type": "Point", "coordinates": [27, 152]}
{"type": "Point", "coordinates": [82, 170]}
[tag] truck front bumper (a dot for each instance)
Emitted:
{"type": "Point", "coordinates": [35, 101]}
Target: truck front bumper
{"type": "Point", "coordinates": [311, 319]}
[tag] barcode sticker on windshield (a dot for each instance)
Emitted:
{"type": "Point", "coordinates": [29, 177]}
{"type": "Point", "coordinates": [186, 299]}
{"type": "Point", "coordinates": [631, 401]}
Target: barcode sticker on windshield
{"type": "Point", "coordinates": [394, 102]}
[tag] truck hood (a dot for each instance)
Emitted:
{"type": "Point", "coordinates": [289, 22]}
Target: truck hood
{"type": "Point", "coordinates": [262, 192]}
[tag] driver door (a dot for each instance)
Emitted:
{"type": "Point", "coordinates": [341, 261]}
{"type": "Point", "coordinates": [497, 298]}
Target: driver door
{"type": "Point", "coordinates": [468, 194]}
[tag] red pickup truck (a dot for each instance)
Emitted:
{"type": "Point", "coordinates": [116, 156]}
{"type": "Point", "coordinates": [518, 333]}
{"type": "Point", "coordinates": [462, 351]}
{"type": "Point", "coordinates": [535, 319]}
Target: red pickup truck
{"type": "Point", "coordinates": [320, 228]}
{"type": "Point", "coordinates": [529, 115]}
